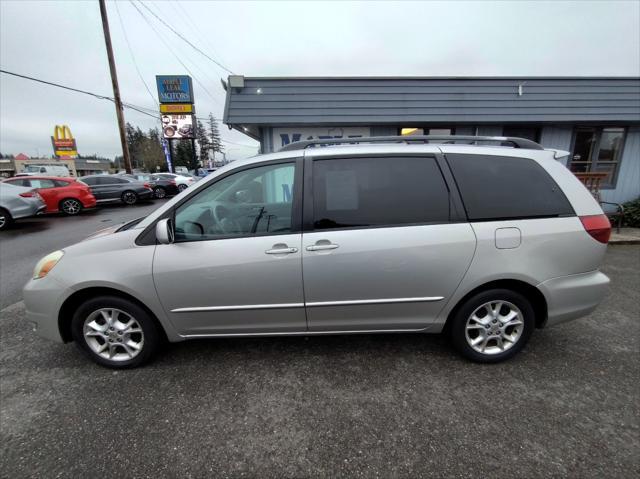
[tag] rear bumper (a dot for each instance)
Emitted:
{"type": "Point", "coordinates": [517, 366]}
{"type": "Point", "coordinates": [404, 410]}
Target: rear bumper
{"type": "Point", "coordinates": [574, 296]}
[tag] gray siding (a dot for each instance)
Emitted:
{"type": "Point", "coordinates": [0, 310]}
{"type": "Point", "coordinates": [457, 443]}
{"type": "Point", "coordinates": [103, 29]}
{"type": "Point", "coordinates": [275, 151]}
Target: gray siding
{"type": "Point", "coordinates": [371, 101]}
{"type": "Point", "coordinates": [558, 137]}
{"type": "Point", "coordinates": [628, 186]}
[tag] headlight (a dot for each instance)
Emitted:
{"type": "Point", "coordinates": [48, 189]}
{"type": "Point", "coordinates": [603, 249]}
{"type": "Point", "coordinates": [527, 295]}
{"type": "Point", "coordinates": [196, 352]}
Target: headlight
{"type": "Point", "coordinates": [46, 264]}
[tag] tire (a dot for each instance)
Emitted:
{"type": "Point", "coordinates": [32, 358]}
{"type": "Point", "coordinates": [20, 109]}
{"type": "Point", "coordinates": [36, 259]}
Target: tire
{"type": "Point", "coordinates": [159, 192]}
{"type": "Point", "coordinates": [488, 331]}
{"type": "Point", "coordinates": [70, 206]}
{"type": "Point", "coordinates": [103, 337]}
{"type": "Point", "coordinates": [5, 219]}
{"type": "Point", "coordinates": [182, 187]}
{"type": "Point", "coordinates": [129, 197]}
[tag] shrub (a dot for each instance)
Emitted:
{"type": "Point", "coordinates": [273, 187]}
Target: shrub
{"type": "Point", "coordinates": [632, 213]}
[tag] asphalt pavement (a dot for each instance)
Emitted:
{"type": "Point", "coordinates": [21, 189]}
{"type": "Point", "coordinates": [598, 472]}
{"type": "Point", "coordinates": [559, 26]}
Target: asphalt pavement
{"type": "Point", "coordinates": [344, 406]}
{"type": "Point", "coordinates": [30, 239]}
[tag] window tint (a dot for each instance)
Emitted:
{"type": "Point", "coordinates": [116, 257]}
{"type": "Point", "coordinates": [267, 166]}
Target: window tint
{"type": "Point", "coordinates": [250, 202]}
{"type": "Point", "coordinates": [20, 182]}
{"type": "Point", "coordinates": [495, 187]}
{"type": "Point", "coordinates": [359, 192]}
{"type": "Point", "coordinates": [61, 183]}
{"type": "Point", "coordinates": [110, 180]}
{"type": "Point", "coordinates": [89, 180]}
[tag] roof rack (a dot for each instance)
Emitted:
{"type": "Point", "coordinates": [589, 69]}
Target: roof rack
{"type": "Point", "coordinates": [442, 139]}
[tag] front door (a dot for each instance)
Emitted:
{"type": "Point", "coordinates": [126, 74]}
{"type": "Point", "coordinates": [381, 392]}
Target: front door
{"type": "Point", "coordinates": [384, 251]}
{"type": "Point", "coordinates": [236, 265]}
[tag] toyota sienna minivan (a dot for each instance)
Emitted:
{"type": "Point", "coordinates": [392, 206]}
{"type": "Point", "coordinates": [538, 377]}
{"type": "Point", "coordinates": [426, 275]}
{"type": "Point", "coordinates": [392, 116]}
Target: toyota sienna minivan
{"type": "Point", "coordinates": [482, 238]}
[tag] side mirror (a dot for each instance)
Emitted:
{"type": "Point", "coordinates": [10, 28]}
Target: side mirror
{"type": "Point", "coordinates": [164, 231]}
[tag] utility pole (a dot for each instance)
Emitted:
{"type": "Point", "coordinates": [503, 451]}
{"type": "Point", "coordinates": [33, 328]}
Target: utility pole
{"type": "Point", "coordinates": [116, 89]}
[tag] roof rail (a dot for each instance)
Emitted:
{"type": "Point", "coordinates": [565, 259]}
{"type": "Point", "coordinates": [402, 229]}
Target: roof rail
{"type": "Point", "coordinates": [443, 139]}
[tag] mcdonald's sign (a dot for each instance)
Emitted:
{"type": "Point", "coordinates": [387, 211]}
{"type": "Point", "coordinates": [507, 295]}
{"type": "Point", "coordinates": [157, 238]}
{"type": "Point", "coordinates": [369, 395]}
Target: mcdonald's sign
{"type": "Point", "coordinates": [64, 145]}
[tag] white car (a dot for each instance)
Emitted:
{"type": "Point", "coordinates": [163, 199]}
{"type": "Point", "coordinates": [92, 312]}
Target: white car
{"type": "Point", "coordinates": [182, 181]}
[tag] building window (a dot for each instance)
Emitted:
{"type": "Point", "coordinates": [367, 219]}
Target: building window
{"type": "Point", "coordinates": [598, 150]}
{"type": "Point", "coordinates": [526, 132]}
{"type": "Point", "coordinates": [426, 131]}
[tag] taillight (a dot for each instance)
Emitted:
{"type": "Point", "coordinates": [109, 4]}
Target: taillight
{"type": "Point", "coordinates": [598, 226]}
{"type": "Point", "coordinates": [173, 182]}
{"type": "Point", "coordinates": [147, 185]}
{"type": "Point", "coordinates": [28, 194]}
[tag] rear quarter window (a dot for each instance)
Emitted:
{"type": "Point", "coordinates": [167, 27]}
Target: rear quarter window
{"type": "Point", "coordinates": [501, 187]}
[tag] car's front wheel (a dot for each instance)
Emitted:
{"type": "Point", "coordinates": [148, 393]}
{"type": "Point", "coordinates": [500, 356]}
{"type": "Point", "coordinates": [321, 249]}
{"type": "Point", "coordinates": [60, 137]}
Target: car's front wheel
{"type": "Point", "coordinates": [182, 187]}
{"type": "Point", "coordinates": [129, 198]}
{"type": "Point", "coordinates": [115, 332]}
{"type": "Point", "coordinates": [492, 325]}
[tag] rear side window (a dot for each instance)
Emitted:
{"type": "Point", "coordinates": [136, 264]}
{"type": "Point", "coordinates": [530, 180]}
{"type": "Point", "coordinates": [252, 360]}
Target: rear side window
{"type": "Point", "coordinates": [91, 180]}
{"type": "Point", "coordinates": [361, 192]}
{"type": "Point", "coordinates": [60, 183]}
{"type": "Point", "coordinates": [500, 187]}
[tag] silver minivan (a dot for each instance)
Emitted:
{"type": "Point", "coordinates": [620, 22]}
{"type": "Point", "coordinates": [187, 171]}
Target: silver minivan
{"type": "Point", "coordinates": [483, 238]}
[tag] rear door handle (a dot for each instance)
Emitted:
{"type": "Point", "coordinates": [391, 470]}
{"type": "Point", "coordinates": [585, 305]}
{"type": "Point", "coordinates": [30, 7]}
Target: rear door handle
{"type": "Point", "coordinates": [321, 247]}
{"type": "Point", "coordinates": [281, 249]}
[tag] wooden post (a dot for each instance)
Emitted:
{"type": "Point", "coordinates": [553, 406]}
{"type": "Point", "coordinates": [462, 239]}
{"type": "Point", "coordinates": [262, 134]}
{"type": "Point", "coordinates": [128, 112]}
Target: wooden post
{"type": "Point", "coordinates": [116, 89]}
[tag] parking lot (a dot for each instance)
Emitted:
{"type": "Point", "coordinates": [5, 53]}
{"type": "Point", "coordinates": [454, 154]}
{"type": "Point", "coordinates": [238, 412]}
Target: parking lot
{"type": "Point", "coordinates": [368, 406]}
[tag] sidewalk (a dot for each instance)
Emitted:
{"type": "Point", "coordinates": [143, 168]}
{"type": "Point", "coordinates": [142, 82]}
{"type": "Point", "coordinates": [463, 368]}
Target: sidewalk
{"type": "Point", "coordinates": [626, 236]}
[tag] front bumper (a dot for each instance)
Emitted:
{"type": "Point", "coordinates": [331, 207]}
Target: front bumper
{"type": "Point", "coordinates": [571, 297]}
{"type": "Point", "coordinates": [42, 299]}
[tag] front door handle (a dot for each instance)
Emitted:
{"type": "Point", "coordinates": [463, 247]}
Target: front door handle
{"type": "Point", "coordinates": [281, 248]}
{"type": "Point", "coordinates": [322, 246]}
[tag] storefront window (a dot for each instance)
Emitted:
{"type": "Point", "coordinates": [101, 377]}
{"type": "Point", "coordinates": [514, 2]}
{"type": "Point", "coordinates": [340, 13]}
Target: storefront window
{"type": "Point", "coordinates": [426, 131]}
{"type": "Point", "coordinates": [598, 150]}
{"type": "Point", "coordinates": [526, 132]}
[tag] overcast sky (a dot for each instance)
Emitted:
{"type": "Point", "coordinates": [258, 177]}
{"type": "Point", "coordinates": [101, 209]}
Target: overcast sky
{"type": "Point", "coordinates": [62, 41]}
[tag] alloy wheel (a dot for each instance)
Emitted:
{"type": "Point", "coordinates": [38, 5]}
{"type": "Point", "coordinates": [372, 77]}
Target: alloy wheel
{"type": "Point", "coordinates": [494, 327]}
{"type": "Point", "coordinates": [160, 192]}
{"type": "Point", "coordinates": [182, 187]}
{"type": "Point", "coordinates": [3, 220]}
{"type": "Point", "coordinates": [129, 197]}
{"type": "Point", "coordinates": [71, 207]}
{"type": "Point", "coordinates": [113, 334]}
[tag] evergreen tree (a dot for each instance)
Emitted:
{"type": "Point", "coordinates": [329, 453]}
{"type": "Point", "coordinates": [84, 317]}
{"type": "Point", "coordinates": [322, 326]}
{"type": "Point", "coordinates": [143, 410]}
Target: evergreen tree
{"type": "Point", "coordinates": [214, 135]}
{"type": "Point", "coordinates": [203, 141]}
{"type": "Point", "coordinates": [184, 155]}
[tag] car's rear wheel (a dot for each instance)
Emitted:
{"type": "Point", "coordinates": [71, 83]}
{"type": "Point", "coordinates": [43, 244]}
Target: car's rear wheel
{"type": "Point", "coordinates": [492, 325]}
{"type": "Point", "coordinates": [129, 198]}
{"type": "Point", "coordinates": [5, 219]}
{"type": "Point", "coordinates": [160, 192]}
{"type": "Point", "coordinates": [182, 187]}
{"type": "Point", "coordinates": [115, 332]}
{"type": "Point", "coordinates": [70, 206]}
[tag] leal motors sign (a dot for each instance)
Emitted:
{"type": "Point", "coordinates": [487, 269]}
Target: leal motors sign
{"type": "Point", "coordinates": [64, 145]}
{"type": "Point", "coordinates": [174, 88]}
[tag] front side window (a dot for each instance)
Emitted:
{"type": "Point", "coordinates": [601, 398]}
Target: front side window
{"type": "Point", "coordinates": [500, 187]}
{"type": "Point", "coordinates": [362, 192]}
{"type": "Point", "coordinates": [598, 150]}
{"type": "Point", "coordinates": [252, 202]}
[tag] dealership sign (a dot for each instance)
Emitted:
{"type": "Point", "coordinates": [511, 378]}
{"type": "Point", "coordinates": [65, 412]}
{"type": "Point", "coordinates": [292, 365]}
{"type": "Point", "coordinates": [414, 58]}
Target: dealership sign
{"type": "Point", "coordinates": [64, 145]}
{"type": "Point", "coordinates": [177, 126]}
{"type": "Point", "coordinates": [177, 108]}
{"type": "Point", "coordinates": [174, 88]}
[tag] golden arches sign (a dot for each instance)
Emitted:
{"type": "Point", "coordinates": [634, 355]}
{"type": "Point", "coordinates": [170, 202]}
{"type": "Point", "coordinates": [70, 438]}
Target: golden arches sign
{"type": "Point", "coordinates": [64, 145]}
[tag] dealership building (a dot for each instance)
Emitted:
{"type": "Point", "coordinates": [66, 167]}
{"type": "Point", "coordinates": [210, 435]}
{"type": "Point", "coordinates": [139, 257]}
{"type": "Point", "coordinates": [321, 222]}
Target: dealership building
{"type": "Point", "coordinates": [596, 119]}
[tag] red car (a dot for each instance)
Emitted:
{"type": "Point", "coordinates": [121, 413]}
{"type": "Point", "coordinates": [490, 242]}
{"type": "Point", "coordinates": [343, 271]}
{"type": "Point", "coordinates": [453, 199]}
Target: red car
{"type": "Point", "coordinates": [60, 194]}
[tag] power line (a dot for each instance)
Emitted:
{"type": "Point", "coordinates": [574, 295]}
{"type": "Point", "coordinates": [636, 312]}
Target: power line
{"type": "Point", "coordinates": [139, 109]}
{"type": "Point", "coordinates": [126, 37]}
{"type": "Point", "coordinates": [172, 52]}
{"type": "Point", "coordinates": [185, 40]}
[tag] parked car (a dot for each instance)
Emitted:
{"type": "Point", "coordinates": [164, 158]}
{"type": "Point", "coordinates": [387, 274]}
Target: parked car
{"type": "Point", "coordinates": [48, 170]}
{"type": "Point", "coordinates": [18, 202]}
{"type": "Point", "coordinates": [485, 243]}
{"type": "Point", "coordinates": [162, 187]}
{"type": "Point", "coordinates": [183, 181]}
{"type": "Point", "coordinates": [60, 194]}
{"type": "Point", "coordinates": [109, 188]}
